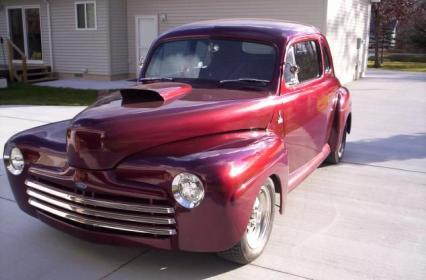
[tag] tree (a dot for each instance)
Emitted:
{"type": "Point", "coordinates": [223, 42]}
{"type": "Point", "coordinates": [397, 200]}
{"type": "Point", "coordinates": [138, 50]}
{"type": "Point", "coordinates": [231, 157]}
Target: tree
{"type": "Point", "coordinates": [412, 33]}
{"type": "Point", "coordinates": [385, 12]}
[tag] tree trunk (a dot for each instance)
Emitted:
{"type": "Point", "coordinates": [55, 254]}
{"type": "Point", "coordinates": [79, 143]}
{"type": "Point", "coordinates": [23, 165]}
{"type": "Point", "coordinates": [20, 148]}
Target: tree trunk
{"type": "Point", "coordinates": [376, 35]}
{"type": "Point", "coordinates": [383, 48]}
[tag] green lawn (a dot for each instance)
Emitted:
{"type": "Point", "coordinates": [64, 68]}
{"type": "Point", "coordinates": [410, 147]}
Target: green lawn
{"type": "Point", "coordinates": [403, 62]}
{"type": "Point", "coordinates": [401, 65]}
{"type": "Point", "coordinates": [25, 94]}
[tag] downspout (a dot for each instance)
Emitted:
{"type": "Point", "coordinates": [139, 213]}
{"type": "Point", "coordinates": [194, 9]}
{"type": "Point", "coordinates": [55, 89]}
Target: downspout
{"type": "Point", "coordinates": [49, 31]}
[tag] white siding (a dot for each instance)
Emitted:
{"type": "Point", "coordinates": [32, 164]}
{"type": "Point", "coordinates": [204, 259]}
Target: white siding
{"type": "Point", "coordinates": [77, 50]}
{"type": "Point", "coordinates": [3, 34]}
{"type": "Point", "coordinates": [118, 37]}
{"type": "Point", "coordinates": [348, 20]}
{"type": "Point", "coordinates": [185, 11]}
{"type": "Point", "coordinates": [43, 22]}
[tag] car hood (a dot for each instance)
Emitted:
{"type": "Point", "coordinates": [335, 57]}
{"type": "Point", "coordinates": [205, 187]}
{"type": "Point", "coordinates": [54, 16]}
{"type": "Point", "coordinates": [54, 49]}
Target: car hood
{"type": "Point", "coordinates": [137, 119]}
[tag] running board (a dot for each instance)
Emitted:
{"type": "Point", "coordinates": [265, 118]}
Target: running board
{"type": "Point", "coordinates": [297, 176]}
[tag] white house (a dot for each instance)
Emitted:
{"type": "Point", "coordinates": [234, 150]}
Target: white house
{"type": "Point", "coordinates": [102, 39]}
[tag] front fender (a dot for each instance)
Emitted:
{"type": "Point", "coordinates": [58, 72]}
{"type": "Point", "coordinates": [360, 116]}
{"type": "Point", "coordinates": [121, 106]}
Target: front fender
{"type": "Point", "coordinates": [233, 167]}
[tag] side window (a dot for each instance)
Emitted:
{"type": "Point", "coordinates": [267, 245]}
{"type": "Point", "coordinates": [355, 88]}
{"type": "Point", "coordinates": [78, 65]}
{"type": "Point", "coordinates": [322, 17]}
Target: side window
{"type": "Point", "coordinates": [327, 66]}
{"type": "Point", "coordinates": [307, 58]}
{"type": "Point", "coordinates": [302, 62]}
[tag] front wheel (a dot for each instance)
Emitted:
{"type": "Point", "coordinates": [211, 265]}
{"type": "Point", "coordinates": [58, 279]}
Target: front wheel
{"type": "Point", "coordinates": [258, 228]}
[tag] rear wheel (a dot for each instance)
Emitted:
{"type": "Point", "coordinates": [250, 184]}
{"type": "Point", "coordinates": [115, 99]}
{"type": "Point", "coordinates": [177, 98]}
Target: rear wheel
{"type": "Point", "coordinates": [258, 229]}
{"type": "Point", "coordinates": [336, 156]}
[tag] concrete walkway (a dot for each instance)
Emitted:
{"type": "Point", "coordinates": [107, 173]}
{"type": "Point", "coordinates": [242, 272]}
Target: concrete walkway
{"type": "Point", "coordinates": [362, 219]}
{"type": "Point", "coordinates": [88, 84]}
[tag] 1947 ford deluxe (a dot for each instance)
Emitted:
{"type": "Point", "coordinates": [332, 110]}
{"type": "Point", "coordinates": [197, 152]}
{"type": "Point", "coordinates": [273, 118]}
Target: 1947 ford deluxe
{"type": "Point", "coordinates": [227, 114]}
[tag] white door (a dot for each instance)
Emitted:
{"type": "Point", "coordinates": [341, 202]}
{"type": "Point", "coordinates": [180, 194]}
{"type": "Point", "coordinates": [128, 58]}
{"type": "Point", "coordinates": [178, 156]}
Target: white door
{"type": "Point", "coordinates": [24, 31]}
{"type": "Point", "coordinates": [146, 33]}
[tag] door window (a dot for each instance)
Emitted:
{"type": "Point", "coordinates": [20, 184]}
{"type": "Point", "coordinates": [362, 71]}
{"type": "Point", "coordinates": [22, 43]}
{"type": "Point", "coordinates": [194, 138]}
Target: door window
{"type": "Point", "coordinates": [16, 30]}
{"type": "Point", "coordinates": [25, 32]}
{"type": "Point", "coordinates": [32, 22]}
{"type": "Point", "coordinates": [302, 62]}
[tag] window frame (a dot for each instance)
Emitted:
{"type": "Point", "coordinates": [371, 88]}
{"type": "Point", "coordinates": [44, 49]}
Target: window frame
{"type": "Point", "coordinates": [326, 55]}
{"type": "Point", "coordinates": [319, 46]}
{"type": "Point", "coordinates": [85, 3]}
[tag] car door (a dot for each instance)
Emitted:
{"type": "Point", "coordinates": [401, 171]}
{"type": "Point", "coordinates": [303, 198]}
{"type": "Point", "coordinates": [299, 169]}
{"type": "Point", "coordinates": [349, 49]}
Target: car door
{"type": "Point", "coordinates": [307, 98]}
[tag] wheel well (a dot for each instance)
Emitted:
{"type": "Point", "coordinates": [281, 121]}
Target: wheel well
{"type": "Point", "coordinates": [278, 189]}
{"type": "Point", "coordinates": [349, 123]}
{"type": "Point", "coordinates": [277, 183]}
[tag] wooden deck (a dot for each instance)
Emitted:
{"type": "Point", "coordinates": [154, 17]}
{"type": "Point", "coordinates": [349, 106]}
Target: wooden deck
{"type": "Point", "coordinates": [35, 72]}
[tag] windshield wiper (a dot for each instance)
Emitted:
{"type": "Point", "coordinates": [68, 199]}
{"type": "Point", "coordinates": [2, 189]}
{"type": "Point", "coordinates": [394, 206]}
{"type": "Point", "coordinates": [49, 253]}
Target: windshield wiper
{"type": "Point", "coordinates": [246, 80]}
{"type": "Point", "coordinates": [156, 79]}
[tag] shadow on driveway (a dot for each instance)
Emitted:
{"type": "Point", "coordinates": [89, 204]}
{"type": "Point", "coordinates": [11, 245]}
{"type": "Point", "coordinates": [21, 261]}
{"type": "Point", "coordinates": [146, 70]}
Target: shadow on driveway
{"type": "Point", "coordinates": [394, 148]}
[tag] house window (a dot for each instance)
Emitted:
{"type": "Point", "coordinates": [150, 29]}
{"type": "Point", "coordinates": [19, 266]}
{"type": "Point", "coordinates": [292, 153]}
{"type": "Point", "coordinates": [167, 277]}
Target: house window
{"type": "Point", "coordinates": [85, 13]}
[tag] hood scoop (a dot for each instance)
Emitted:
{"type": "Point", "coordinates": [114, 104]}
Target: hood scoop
{"type": "Point", "coordinates": [156, 92]}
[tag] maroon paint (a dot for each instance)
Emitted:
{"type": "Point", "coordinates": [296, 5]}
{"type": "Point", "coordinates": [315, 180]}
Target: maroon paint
{"type": "Point", "coordinates": [231, 138]}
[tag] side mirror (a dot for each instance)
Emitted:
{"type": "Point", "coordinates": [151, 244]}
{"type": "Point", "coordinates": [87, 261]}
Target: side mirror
{"type": "Point", "coordinates": [294, 69]}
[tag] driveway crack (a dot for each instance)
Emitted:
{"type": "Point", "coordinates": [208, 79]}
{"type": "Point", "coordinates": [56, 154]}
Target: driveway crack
{"type": "Point", "coordinates": [124, 264]}
{"type": "Point", "coordinates": [280, 271]}
{"type": "Point", "coordinates": [7, 199]}
{"type": "Point", "coordinates": [23, 119]}
{"type": "Point", "coordinates": [381, 166]}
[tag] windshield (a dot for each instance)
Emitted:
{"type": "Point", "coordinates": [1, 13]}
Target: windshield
{"type": "Point", "coordinates": [215, 60]}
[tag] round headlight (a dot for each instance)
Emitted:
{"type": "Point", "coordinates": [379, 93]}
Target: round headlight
{"type": "Point", "coordinates": [15, 161]}
{"type": "Point", "coordinates": [188, 190]}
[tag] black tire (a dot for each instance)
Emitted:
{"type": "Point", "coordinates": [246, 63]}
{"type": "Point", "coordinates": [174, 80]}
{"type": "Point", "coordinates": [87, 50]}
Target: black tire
{"type": "Point", "coordinates": [247, 249]}
{"type": "Point", "coordinates": [336, 156]}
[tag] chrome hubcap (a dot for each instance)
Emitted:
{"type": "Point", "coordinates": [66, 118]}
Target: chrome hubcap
{"type": "Point", "coordinates": [259, 222]}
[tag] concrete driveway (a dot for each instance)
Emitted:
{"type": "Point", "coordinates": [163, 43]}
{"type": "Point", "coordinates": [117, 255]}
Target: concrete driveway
{"type": "Point", "coordinates": [362, 219]}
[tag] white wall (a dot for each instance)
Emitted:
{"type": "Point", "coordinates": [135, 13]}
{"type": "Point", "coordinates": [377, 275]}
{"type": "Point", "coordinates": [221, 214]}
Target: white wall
{"type": "Point", "coordinates": [76, 50]}
{"type": "Point", "coordinates": [348, 20]}
{"type": "Point", "coordinates": [118, 37]}
{"type": "Point", "coordinates": [185, 11]}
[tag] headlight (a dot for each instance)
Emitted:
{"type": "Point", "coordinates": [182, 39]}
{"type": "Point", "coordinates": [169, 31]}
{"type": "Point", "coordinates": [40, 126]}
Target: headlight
{"type": "Point", "coordinates": [14, 161]}
{"type": "Point", "coordinates": [188, 190]}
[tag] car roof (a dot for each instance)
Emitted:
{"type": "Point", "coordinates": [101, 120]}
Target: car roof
{"type": "Point", "coordinates": [273, 29]}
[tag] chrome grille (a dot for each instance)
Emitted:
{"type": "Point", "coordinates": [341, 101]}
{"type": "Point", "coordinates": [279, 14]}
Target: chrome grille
{"type": "Point", "coordinates": [115, 215]}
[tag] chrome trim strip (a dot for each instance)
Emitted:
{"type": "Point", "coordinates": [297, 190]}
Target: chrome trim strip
{"type": "Point", "coordinates": [111, 225]}
{"type": "Point", "coordinates": [98, 202]}
{"type": "Point", "coordinates": [100, 213]}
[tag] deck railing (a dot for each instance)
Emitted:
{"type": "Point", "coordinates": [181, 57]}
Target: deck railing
{"type": "Point", "coordinates": [13, 73]}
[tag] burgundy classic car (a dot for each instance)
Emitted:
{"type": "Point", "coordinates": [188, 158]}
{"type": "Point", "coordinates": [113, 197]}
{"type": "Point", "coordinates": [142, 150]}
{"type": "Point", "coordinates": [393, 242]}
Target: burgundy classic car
{"type": "Point", "coordinates": [228, 115]}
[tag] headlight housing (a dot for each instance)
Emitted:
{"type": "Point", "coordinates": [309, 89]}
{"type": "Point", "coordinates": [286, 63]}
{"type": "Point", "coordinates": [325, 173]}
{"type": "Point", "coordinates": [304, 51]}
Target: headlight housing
{"type": "Point", "coordinates": [188, 190]}
{"type": "Point", "coordinates": [14, 160]}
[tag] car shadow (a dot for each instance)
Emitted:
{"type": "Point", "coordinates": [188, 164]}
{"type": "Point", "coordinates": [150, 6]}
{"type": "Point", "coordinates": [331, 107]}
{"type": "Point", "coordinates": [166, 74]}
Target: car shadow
{"type": "Point", "coordinates": [376, 150]}
{"type": "Point", "coordinates": [396, 147]}
{"type": "Point", "coordinates": [118, 262]}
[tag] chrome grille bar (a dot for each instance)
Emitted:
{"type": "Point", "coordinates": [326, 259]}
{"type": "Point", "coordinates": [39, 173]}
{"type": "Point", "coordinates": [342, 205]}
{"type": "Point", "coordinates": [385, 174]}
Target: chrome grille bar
{"type": "Point", "coordinates": [97, 223]}
{"type": "Point", "coordinates": [98, 202]}
{"type": "Point", "coordinates": [99, 213]}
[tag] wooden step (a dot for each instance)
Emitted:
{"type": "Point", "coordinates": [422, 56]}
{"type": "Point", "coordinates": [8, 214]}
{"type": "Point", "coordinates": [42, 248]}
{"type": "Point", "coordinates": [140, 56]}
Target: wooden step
{"type": "Point", "coordinates": [45, 79]}
{"type": "Point", "coordinates": [36, 74]}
